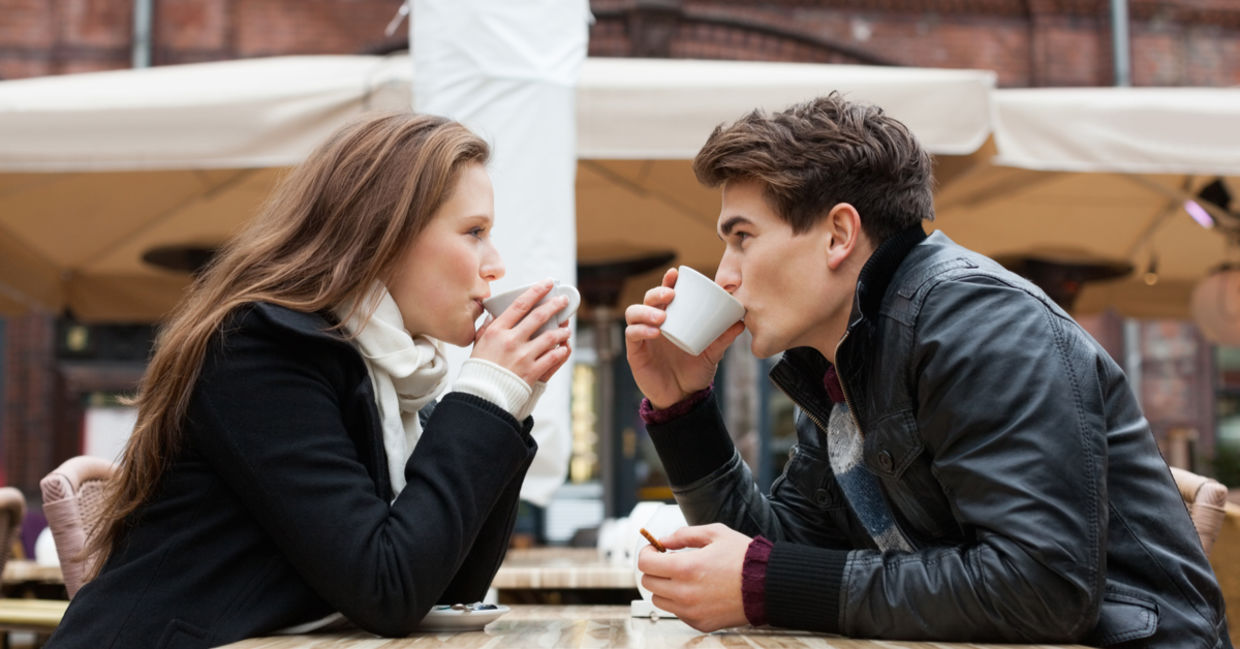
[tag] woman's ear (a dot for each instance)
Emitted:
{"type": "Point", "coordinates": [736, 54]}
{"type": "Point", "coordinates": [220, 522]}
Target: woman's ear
{"type": "Point", "coordinates": [843, 232]}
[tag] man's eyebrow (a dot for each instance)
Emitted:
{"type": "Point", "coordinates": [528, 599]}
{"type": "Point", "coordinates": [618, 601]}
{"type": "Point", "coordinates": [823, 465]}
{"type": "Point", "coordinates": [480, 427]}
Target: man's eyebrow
{"type": "Point", "coordinates": [730, 224]}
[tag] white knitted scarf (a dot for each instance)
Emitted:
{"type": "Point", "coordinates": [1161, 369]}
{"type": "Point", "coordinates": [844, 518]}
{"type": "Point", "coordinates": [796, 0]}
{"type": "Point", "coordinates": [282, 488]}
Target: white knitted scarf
{"type": "Point", "coordinates": [407, 373]}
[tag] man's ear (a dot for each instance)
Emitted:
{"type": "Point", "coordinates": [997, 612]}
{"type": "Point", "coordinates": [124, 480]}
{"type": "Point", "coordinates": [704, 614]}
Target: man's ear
{"type": "Point", "coordinates": [843, 230]}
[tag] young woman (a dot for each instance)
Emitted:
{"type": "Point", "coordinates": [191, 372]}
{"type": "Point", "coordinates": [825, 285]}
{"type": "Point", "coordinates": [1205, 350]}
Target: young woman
{"type": "Point", "coordinates": [287, 470]}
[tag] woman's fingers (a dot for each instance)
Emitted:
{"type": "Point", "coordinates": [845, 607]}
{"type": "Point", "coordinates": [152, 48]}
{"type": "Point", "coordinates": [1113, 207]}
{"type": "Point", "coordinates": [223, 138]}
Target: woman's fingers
{"type": "Point", "coordinates": [558, 356]}
{"type": "Point", "coordinates": [524, 303]}
{"type": "Point", "coordinates": [486, 324]}
{"type": "Point", "coordinates": [540, 316]}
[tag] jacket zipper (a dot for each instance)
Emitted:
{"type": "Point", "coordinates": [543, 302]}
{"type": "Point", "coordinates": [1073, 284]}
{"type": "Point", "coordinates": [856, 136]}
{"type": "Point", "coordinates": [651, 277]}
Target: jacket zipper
{"type": "Point", "coordinates": [852, 412]}
{"type": "Point", "coordinates": [809, 412]}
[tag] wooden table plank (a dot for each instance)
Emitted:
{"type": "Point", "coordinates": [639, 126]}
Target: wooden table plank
{"type": "Point", "coordinates": [18, 571]}
{"type": "Point", "coordinates": [551, 567]}
{"type": "Point", "coordinates": [595, 627]}
{"type": "Point", "coordinates": [31, 614]}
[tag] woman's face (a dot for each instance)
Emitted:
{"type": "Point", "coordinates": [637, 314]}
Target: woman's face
{"type": "Point", "coordinates": [447, 271]}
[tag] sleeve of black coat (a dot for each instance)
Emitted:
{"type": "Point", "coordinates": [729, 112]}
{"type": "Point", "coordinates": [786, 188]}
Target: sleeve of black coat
{"type": "Point", "coordinates": [713, 485]}
{"type": "Point", "coordinates": [267, 411]}
{"type": "Point", "coordinates": [478, 570]}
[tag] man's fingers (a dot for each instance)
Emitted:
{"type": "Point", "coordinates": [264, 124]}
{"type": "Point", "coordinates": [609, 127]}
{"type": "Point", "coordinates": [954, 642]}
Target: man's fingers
{"type": "Point", "coordinates": [662, 602]}
{"type": "Point", "coordinates": [644, 315]}
{"type": "Point", "coordinates": [635, 333]}
{"type": "Point", "coordinates": [693, 536]}
{"type": "Point", "coordinates": [716, 349]}
{"type": "Point", "coordinates": [659, 296]}
{"type": "Point", "coordinates": [664, 565]}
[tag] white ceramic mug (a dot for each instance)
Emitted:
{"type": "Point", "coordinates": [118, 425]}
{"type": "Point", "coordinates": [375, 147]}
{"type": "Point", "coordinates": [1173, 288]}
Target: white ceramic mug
{"type": "Point", "coordinates": [662, 521]}
{"type": "Point", "coordinates": [700, 312]}
{"type": "Point", "coordinates": [497, 304]}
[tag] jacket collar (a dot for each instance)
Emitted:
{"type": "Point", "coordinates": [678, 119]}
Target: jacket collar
{"type": "Point", "coordinates": [876, 274]}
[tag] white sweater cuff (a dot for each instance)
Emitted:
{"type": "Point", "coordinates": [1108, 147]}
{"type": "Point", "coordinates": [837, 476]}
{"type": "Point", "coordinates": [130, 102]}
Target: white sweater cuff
{"type": "Point", "coordinates": [495, 383]}
{"type": "Point", "coordinates": [539, 388]}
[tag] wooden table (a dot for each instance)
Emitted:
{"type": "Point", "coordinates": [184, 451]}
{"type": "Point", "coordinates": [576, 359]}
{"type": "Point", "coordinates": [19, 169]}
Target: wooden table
{"type": "Point", "coordinates": [595, 627]}
{"type": "Point", "coordinates": [38, 615]}
{"type": "Point", "coordinates": [25, 578]}
{"type": "Point", "coordinates": [18, 571]}
{"type": "Point", "coordinates": [560, 568]}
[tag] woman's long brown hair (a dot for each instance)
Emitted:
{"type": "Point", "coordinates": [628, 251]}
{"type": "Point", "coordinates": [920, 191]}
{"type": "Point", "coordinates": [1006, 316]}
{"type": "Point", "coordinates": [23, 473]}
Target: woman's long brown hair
{"type": "Point", "coordinates": [336, 223]}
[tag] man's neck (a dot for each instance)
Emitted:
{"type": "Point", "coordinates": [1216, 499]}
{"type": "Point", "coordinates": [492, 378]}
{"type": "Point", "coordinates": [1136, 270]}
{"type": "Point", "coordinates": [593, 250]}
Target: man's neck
{"type": "Point", "coordinates": [875, 265]}
{"type": "Point", "coordinates": [836, 324]}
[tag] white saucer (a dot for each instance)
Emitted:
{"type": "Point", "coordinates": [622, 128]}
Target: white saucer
{"type": "Point", "coordinates": [446, 618]}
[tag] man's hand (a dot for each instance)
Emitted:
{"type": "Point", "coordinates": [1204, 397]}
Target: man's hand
{"type": "Point", "coordinates": [703, 587]}
{"type": "Point", "coordinates": [664, 373]}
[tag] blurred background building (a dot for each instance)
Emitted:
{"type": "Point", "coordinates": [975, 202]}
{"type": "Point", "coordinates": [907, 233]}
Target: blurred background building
{"type": "Point", "coordinates": [61, 379]}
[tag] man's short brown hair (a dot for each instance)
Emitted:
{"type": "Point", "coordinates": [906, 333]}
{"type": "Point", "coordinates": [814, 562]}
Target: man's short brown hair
{"type": "Point", "coordinates": [826, 151]}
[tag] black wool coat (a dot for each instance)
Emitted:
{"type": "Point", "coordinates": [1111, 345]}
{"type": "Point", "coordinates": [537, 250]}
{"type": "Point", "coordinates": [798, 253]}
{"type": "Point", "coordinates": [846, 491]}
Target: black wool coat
{"type": "Point", "coordinates": [276, 508]}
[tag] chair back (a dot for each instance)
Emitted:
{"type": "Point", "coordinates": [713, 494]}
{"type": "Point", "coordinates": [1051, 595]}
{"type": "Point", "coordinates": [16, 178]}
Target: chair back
{"type": "Point", "coordinates": [73, 497]}
{"type": "Point", "coordinates": [12, 511]}
{"type": "Point", "coordinates": [1206, 499]}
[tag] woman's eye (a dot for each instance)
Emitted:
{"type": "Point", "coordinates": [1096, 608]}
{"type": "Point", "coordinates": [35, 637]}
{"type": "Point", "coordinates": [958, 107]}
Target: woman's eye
{"type": "Point", "coordinates": [477, 232]}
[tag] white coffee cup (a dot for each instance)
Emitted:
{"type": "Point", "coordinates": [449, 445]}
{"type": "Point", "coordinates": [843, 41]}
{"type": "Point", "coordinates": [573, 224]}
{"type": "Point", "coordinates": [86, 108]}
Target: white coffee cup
{"type": "Point", "coordinates": [699, 313]}
{"type": "Point", "coordinates": [497, 304]}
{"type": "Point", "coordinates": [662, 521]}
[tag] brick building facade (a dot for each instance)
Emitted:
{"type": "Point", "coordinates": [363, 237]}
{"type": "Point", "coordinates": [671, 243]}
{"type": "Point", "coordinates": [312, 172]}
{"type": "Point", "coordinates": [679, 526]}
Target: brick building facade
{"type": "Point", "coordinates": [1027, 43]}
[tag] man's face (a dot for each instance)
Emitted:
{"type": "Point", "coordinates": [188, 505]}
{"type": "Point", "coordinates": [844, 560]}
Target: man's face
{"type": "Point", "coordinates": [791, 296]}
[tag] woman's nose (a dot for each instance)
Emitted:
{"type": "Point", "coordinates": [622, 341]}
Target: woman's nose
{"type": "Point", "coordinates": [492, 265]}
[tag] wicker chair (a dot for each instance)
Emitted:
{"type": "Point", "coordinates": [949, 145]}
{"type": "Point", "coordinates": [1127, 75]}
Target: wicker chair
{"type": "Point", "coordinates": [12, 511]}
{"type": "Point", "coordinates": [1206, 499]}
{"type": "Point", "coordinates": [73, 500]}
{"type": "Point", "coordinates": [32, 615]}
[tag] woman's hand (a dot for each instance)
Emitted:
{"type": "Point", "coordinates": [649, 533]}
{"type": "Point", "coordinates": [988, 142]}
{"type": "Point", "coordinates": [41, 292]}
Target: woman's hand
{"type": "Point", "coordinates": [509, 341]}
{"type": "Point", "coordinates": [663, 372]}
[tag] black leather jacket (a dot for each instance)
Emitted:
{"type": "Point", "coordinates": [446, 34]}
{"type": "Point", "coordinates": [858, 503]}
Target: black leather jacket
{"type": "Point", "coordinates": [1011, 451]}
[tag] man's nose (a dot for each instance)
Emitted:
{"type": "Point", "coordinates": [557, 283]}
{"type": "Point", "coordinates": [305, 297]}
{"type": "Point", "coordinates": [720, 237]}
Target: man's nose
{"type": "Point", "coordinates": [728, 276]}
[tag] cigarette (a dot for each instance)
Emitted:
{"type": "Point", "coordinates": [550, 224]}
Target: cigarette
{"type": "Point", "coordinates": [653, 541]}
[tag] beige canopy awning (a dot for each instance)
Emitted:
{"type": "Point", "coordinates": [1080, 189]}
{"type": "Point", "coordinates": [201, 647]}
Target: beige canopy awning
{"type": "Point", "coordinates": [1102, 175]}
{"type": "Point", "coordinates": [99, 169]}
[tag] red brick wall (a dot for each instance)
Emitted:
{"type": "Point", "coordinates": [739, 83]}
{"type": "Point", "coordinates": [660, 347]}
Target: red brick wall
{"type": "Point", "coordinates": [39, 37]}
{"type": "Point", "coordinates": [30, 396]}
{"type": "Point", "coordinates": [42, 37]}
{"type": "Point", "coordinates": [1027, 42]}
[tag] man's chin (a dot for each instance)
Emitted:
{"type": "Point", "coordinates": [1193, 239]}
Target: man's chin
{"type": "Point", "coordinates": [761, 349]}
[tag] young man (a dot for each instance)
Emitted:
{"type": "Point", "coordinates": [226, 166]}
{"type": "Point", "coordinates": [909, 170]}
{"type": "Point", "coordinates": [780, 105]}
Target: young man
{"type": "Point", "coordinates": [970, 466]}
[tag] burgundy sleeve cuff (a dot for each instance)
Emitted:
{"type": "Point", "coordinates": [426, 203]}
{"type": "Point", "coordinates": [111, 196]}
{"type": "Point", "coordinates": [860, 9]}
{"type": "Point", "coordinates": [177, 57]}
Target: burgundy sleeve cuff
{"type": "Point", "coordinates": [753, 580]}
{"type": "Point", "coordinates": [652, 415]}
